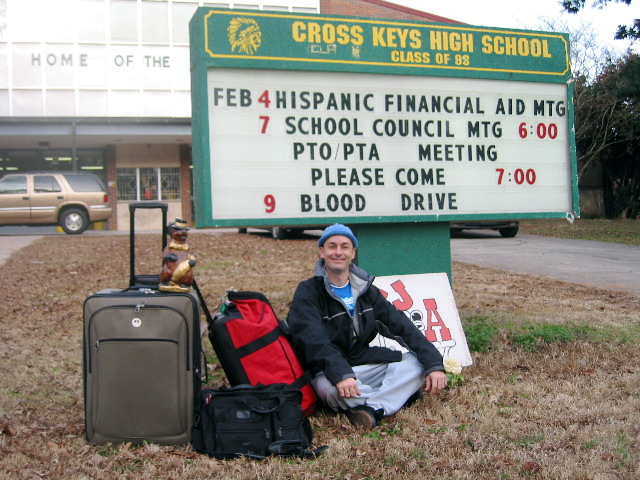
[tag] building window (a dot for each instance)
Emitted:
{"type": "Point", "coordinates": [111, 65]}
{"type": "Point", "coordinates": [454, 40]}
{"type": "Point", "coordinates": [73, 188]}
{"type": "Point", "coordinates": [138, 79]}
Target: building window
{"type": "Point", "coordinates": [155, 22]}
{"type": "Point", "coordinates": [92, 26]}
{"type": "Point", "coordinates": [124, 21]}
{"type": "Point", "coordinates": [136, 184]}
{"type": "Point", "coordinates": [181, 13]}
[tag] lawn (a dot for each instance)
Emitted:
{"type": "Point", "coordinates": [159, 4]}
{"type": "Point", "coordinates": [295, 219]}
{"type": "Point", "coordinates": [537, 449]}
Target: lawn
{"type": "Point", "coordinates": [552, 394]}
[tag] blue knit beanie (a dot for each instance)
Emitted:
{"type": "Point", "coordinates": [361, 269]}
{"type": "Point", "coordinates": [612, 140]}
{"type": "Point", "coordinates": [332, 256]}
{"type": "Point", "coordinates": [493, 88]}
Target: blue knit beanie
{"type": "Point", "coordinates": [338, 229]}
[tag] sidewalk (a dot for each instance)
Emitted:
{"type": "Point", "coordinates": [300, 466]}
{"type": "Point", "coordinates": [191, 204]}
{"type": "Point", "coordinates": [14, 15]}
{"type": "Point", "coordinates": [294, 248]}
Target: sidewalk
{"type": "Point", "coordinates": [14, 243]}
{"type": "Point", "coordinates": [10, 243]}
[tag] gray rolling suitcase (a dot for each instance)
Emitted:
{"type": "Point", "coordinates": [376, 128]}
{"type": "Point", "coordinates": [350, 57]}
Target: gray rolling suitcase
{"type": "Point", "coordinates": [141, 363]}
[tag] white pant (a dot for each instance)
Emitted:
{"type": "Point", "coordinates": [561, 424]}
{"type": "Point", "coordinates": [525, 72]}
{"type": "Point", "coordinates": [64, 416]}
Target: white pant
{"type": "Point", "coordinates": [384, 386]}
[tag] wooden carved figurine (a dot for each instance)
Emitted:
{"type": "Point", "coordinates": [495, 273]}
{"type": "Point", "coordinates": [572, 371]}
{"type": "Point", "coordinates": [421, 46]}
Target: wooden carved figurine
{"type": "Point", "coordinates": [177, 262]}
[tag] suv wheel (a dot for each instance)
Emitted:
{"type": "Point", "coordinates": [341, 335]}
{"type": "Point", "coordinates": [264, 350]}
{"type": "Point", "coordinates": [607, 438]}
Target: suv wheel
{"type": "Point", "coordinates": [278, 233]}
{"type": "Point", "coordinates": [509, 232]}
{"type": "Point", "coordinates": [74, 221]}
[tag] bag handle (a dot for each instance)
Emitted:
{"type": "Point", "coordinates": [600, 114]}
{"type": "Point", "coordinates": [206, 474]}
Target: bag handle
{"type": "Point", "coordinates": [240, 393]}
{"type": "Point", "coordinates": [265, 412]}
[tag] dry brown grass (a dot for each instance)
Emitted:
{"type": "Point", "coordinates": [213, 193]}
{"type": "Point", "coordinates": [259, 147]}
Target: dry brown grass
{"type": "Point", "coordinates": [567, 411]}
{"type": "Point", "coordinates": [600, 229]}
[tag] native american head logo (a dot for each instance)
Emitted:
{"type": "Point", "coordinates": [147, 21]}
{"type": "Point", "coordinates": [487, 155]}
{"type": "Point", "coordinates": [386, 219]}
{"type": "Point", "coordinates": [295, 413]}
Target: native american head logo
{"type": "Point", "coordinates": [244, 35]}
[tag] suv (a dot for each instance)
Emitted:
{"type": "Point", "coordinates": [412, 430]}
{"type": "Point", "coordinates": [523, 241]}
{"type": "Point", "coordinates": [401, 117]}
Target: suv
{"type": "Point", "coordinates": [507, 228]}
{"type": "Point", "coordinates": [282, 233]}
{"type": "Point", "coordinates": [71, 200]}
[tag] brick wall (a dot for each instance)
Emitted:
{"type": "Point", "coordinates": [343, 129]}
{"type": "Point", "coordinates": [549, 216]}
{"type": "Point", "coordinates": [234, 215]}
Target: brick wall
{"type": "Point", "coordinates": [110, 178]}
{"type": "Point", "coordinates": [186, 187]}
{"type": "Point", "coordinates": [378, 9]}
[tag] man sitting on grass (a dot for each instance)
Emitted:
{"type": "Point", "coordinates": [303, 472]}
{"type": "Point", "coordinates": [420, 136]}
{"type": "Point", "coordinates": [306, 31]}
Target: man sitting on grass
{"type": "Point", "coordinates": [333, 318]}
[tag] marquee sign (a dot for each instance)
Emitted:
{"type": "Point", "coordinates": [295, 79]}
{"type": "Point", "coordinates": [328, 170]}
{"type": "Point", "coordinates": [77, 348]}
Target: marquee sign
{"type": "Point", "coordinates": [307, 119]}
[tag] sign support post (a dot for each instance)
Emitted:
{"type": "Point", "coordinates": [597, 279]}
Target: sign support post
{"type": "Point", "coordinates": [404, 248]}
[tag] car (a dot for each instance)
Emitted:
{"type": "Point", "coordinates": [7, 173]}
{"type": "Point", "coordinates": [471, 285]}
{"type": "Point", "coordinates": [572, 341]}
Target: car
{"type": "Point", "coordinates": [281, 233]}
{"type": "Point", "coordinates": [72, 200]}
{"type": "Point", "coordinates": [507, 229]}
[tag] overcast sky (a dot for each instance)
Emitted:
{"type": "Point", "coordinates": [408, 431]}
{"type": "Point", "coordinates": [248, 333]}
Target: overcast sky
{"type": "Point", "coordinates": [526, 14]}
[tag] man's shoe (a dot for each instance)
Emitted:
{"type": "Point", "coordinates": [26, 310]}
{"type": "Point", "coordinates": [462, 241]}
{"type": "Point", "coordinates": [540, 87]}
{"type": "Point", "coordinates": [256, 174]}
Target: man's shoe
{"type": "Point", "coordinates": [364, 416]}
{"type": "Point", "coordinates": [417, 395]}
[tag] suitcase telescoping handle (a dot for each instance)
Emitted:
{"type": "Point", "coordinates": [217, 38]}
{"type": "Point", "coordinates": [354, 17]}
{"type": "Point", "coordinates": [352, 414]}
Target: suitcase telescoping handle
{"type": "Point", "coordinates": [132, 208]}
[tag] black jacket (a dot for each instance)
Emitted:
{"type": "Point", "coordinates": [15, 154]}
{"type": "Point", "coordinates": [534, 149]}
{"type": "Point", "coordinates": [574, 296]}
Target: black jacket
{"type": "Point", "coordinates": [325, 336]}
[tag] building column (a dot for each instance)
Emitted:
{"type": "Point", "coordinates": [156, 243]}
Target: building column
{"type": "Point", "coordinates": [112, 188]}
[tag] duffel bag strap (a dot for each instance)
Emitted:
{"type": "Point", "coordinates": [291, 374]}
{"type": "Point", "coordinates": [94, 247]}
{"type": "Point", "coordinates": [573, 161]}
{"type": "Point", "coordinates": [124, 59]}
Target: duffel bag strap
{"type": "Point", "coordinates": [293, 448]}
{"type": "Point", "coordinates": [302, 380]}
{"type": "Point", "coordinates": [203, 304]}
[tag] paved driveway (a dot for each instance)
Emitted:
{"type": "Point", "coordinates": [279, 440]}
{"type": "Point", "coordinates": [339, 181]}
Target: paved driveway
{"type": "Point", "coordinates": [604, 265]}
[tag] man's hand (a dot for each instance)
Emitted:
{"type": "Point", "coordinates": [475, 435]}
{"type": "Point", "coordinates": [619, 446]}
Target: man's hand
{"type": "Point", "coordinates": [436, 382]}
{"type": "Point", "coordinates": [348, 388]}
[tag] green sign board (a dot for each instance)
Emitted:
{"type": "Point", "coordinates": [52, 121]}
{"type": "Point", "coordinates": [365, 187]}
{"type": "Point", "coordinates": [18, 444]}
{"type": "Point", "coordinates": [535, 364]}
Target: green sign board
{"type": "Point", "coordinates": [311, 119]}
{"type": "Point", "coordinates": [314, 42]}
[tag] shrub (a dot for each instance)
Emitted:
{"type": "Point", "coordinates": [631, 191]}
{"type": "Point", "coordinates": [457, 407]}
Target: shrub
{"type": "Point", "coordinates": [480, 333]}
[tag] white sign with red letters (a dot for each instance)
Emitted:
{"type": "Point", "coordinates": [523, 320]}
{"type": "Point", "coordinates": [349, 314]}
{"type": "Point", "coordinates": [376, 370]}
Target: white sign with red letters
{"type": "Point", "coordinates": [427, 299]}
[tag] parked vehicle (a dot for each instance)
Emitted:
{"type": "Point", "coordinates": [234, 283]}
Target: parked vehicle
{"type": "Point", "coordinates": [71, 200]}
{"type": "Point", "coordinates": [507, 229]}
{"type": "Point", "coordinates": [281, 233]}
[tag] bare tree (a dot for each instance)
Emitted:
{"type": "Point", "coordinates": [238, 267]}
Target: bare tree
{"type": "Point", "coordinates": [594, 119]}
{"type": "Point", "coordinates": [607, 120]}
{"type": "Point", "coordinates": [589, 56]}
{"type": "Point", "coordinates": [631, 31]}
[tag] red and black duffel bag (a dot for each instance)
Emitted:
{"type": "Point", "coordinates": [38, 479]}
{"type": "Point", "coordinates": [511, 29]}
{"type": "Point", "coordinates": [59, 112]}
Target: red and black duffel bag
{"type": "Point", "coordinates": [253, 348]}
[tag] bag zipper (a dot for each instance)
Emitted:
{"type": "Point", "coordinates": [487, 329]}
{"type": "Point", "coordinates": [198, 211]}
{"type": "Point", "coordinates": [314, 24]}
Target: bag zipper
{"type": "Point", "coordinates": [117, 340]}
